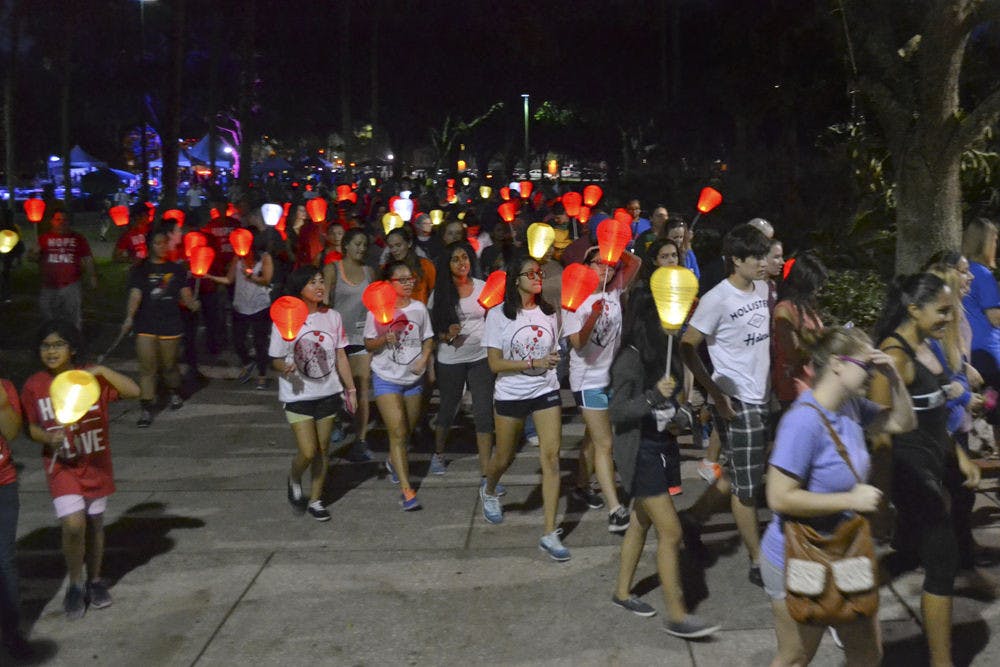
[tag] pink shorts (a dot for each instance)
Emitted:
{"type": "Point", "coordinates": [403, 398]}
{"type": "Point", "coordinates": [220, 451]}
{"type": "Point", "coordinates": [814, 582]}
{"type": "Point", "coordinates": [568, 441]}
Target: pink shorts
{"type": "Point", "coordinates": [72, 503]}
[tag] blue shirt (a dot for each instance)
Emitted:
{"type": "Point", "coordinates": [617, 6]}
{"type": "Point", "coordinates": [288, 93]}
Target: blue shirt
{"type": "Point", "coordinates": [691, 262]}
{"type": "Point", "coordinates": [983, 295]}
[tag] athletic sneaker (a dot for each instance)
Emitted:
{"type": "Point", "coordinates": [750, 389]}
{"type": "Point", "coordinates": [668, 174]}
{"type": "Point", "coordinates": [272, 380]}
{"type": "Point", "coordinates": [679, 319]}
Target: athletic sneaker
{"type": "Point", "coordinates": [295, 497]}
{"type": "Point", "coordinates": [317, 511]}
{"type": "Point", "coordinates": [755, 577]}
{"type": "Point", "coordinates": [710, 471]}
{"type": "Point", "coordinates": [261, 384]}
{"type": "Point", "coordinates": [73, 604]}
{"type": "Point", "coordinates": [392, 472]}
{"type": "Point", "coordinates": [492, 509]}
{"type": "Point", "coordinates": [246, 373]}
{"type": "Point", "coordinates": [532, 440]}
{"type": "Point", "coordinates": [145, 419]}
{"type": "Point", "coordinates": [176, 403]}
{"type": "Point", "coordinates": [359, 452]}
{"type": "Point", "coordinates": [408, 500]}
{"type": "Point", "coordinates": [337, 434]}
{"type": "Point", "coordinates": [618, 520]}
{"type": "Point", "coordinates": [634, 605]}
{"type": "Point", "coordinates": [500, 490]}
{"type": "Point", "coordinates": [437, 464]}
{"type": "Point", "coordinates": [675, 490]}
{"type": "Point", "coordinates": [97, 594]}
{"type": "Point", "coordinates": [691, 535]}
{"type": "Point", "coordinates": [692, 627]}
{"type": "Point", "coordinates": [553, 546]}
{"type": "Point", "coordinates": [589, 497]}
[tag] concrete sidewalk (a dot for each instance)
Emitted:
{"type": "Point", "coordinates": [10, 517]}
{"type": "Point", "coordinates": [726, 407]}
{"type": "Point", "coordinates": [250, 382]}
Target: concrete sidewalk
{"type": "Point", "coordinates": [210, 567]}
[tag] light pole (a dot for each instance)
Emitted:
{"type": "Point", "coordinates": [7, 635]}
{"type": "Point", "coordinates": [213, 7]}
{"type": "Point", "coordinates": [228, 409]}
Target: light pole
{"type": "Point", "coordinates": [527, 165]}
{"type": "Point", "coordinates": [143, 156]}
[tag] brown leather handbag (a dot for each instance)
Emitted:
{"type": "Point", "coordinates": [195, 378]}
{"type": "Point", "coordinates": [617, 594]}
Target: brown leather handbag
{"type": "Point", "coordinates": [830, 579]}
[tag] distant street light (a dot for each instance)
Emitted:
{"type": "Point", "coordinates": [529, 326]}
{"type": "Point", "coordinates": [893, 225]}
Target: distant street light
{"type": "Point", "coordinates": [527, 166]}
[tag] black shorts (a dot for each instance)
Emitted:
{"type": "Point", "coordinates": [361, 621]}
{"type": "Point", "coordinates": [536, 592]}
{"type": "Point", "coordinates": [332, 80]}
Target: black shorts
{"type": "Point", "coordinates": [657, 468]}
{"type": "Point", "coordinates": [317, 408]}
{"type": "Point", "coordinates": [520, 409]}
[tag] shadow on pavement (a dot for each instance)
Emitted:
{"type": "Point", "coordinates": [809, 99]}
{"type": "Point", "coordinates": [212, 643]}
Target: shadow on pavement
{"type": "Point", "coordinates": [967, 639]}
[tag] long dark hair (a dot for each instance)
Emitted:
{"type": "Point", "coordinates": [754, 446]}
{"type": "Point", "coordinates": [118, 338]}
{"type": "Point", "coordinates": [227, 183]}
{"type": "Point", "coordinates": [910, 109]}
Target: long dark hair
{"type": "Point", "coordinates": [804, 279]}
{"type": "Point", "coordinates": [918, 290]}
{"type": "Point", "coordinates": [444, 313]}
{"type": "Point", "coordinates": [642, 330]}
{"type": "Point", "coordinates": [648, 265]}
{"type": "Point", "coordinates": [511, 297]}
{"type": "Point", "coordinates": [411, 259]}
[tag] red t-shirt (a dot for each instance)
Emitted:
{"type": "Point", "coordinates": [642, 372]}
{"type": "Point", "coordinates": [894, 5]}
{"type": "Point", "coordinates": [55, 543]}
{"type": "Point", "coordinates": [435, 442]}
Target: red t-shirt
{"type": "Point", "coordinates": [60, 256]}
{"type": "Point", "coordinates": [8, 474]}
{"type": "Point", "coordinates": [133, 241]}
{"type": "Point", "coordinates": [219, 230]}
{"type": "Point", "coordinates": [88, 472]}
{"type": "Point", "coordinates": [312, 238]}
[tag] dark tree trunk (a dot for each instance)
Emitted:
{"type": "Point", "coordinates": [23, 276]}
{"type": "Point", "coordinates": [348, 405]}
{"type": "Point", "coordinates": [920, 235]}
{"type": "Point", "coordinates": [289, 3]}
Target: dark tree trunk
{"type": "Point", "coordinates": [215, 55]}
{"type": "Point", "coordinates": [9, 97]}
{"type": "Point", "coordinates": [172, 126]}
{"type": "Point", "coordinates": [247, 75]}
{"type": "Point", "coordinates": [376, 17]}
{"type": "Point", "coordinates": [345, 86]}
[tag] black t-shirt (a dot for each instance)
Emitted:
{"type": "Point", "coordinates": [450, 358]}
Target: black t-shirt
{"type": "Point", "coordinates": [159, 311]}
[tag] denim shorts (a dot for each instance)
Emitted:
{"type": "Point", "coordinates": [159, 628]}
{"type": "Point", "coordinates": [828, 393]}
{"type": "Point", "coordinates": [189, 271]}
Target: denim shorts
{"type": "Point", "coordinates": [382, 387]}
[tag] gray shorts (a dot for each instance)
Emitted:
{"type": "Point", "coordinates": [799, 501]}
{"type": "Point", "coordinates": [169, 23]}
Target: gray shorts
{"type": "Point", "coordinates": [774, 579]}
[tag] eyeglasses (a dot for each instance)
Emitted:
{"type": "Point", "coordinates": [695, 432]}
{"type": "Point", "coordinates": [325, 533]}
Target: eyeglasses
{"type": "Point", "coordinates": [405, 281]}
{"type": "Point", "coordinates": [868, 366]}
{"type": "Point", "coordinates": [58, 345]}
{"type": "Point", "coordinates": [531, 275]}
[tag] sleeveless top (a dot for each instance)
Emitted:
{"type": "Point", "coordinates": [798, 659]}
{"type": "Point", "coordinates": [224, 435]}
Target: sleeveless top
{"type": "Point", "coordinates": [931, 437]}
{"type": "Point", "coordinates": [249, 297]}
{"type": "Point", "coordinates": [347, 301]}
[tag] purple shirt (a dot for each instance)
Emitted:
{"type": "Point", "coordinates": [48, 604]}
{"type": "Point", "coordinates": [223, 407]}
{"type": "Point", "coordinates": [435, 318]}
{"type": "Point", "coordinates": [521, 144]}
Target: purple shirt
{"type": "Point", "coordinates": [804, 450]}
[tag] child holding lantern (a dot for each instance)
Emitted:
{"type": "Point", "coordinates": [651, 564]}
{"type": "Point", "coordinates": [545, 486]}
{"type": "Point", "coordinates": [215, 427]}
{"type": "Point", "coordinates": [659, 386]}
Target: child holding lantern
{"type": "Point", "coordinates": [10, 615]}
{"type": "Point", "coordinates": [80, 475]}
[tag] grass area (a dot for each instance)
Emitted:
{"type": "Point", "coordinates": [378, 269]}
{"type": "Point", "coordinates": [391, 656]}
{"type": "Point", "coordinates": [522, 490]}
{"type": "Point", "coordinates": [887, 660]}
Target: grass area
{"type": "Point", "coordinates": [103, 309]}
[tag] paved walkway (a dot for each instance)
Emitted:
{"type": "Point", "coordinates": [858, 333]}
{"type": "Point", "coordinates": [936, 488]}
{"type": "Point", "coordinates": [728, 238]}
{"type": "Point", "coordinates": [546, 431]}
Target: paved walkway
{"type": "Point", "coordinates": [210, 567]}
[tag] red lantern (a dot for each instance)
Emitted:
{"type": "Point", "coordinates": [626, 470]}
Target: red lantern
{"type": "Point", "coordinates": [174, 214]}
{"type": "Point", "coordinates": [193, 240]}
{"type": "Point", "coordinates": [578, 282]}
{"type": "Point", "coordinates": [708, 199]}
{"type": "Point", "coordinates": [505, 193]}
{"type": "Point", "coordinates": [493, 291]}
{"type": "Point", "coordinates": [571, 202]}
{"type": "Point", "coordinates": [525, 187]}
{"type": "Point", "coordinates": [592, 194]}
{"type": "Point", "coordinates": [450, 182]}
{"type": "Point", "coordinates": [451, 195]}
{"type": "Point", "coordinates": [119, 215]}
{"type": "Point", "coordinates": [474, 242]}
{"type": "Point", "coordinates": [787, 268]}
{"type": "Point", "coordinates": [612, 237]}
{"type": "Point", "coordinates": [380, 300]}
{"type": "Point", "coordinates": [241, 239]}
{"type": "Point", "coordinates": [150, 210]}
{"type": "Point", "coordinates": [230, 210]}
{"type": "Point", "coordinates": [622, 215]}
{"type": "Point", "coordinates": [213, 213]}
{"type": "Point", "coordinates": [507, 211]}
{"type": "Point", "coordinates": [343, 192]}
{"type": "Point", "coordinates": [34, 209]}
{"type": "Point", "coordinates": [289, 313]}
{"type": "Point", "coordinates": [332, 256]}
{"type": "Point", "coordinates": [201, 259]}
{"type": "Point", "coordinates": [316, 208]}
{"type": "Point", "coordinates": [584, 214]}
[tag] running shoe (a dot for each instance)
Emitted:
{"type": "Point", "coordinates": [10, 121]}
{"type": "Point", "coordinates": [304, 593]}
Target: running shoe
{"type": "Point", "coordinates": [392, 472]}
{"type": "Point", "coordinates": [553, 546]}
{"type": "Point", "coordinates": [359, 452]}
{"type": "Point", "coordinates": [437, 464]}
{"type": "Point", "coordinates": [634, 605]}
{"type": "Point", "coordinates": [408, 501]}
{"type": "Point", "coordinates": [532, 440]}
{"type": "Point", "coordinates": [675, 490]}
{"type": "Point", "coordinates": [337, 434]}
{"type": "Point", "coordinates": [710, 471]}
{"type": "Point", "coordinates": [176, 402]}
{"type": "Point", "coordinates": [589, 497]}
{"type": "Point", "coordinates": [500, 489]}
{"type": "Point", "coordinates": [97, 594]}
{"type": "Point", "coordinates": [295, 497]}
{"type": "Point", "coordinates": [755, 577]}
{"type": "Point", "coordinates": [246, 373]}
{"type": "Point", "coordinates": [492, 509]}
{"type": "Point", "coordinates": [145, 419]}
{"type": "Point", "coordinates": [618, 520]}
{"type": "Point", "coordinates": [74, 604]}
{"type": "Point", "coordinates": [692, 627]}
{"type": "Point", "coordinates": [317, 511]}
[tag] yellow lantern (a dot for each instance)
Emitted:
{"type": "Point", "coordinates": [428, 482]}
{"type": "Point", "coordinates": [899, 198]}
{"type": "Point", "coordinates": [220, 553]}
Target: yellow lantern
{"type": "Point", "coordinates": [674, 289]}
{"type": "Point", "coordinates": [540, 239]}
{"type": "Point", "coordinates": [73, 394]}
{"type": "Point", "coordinates": [485, 191]}
{"type": "Point", "coordinates": [461, 215]}
{"type": "Point", "coordinates": [552, 168]}
{"type": "Point", "coordinates": [437, 216]}
{"type": "Point", "coordinates": [373, 181]}
{"type": "Point", "coordinates": [465, 181]}
{"type": "Point", "coordinates": [391, 221]}
{"type": "Point", "coordinates": [461, 165]}
{"type": "Point", "coordinates": [8, 239]}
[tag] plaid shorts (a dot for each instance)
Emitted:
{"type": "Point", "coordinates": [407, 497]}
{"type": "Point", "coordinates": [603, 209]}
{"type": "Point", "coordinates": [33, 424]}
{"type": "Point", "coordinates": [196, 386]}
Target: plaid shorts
{"type": "Point", "coordinates": [744, 444]}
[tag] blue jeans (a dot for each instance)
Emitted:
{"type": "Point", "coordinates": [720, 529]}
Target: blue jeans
{"type": "Point", "coordinates": [10, 617]}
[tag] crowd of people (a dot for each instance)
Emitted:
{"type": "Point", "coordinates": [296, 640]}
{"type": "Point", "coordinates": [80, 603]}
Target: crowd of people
{"type": "Point", "coordinates": [819, 423]}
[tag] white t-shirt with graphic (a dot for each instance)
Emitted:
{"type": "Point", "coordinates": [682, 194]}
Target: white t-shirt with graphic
{"type": "Point", "coordinates": [412, 326]}
{"type": "Point", "coordinates": [590, 366]}
{"type": "Point", "coordinates": [468, 345]}
{"type": "Point", "coordinates": [314, 353]}
{"type": "Point", "coordinates": [531, 335]}
{"type": "Point", "coordinates": [737, 328]}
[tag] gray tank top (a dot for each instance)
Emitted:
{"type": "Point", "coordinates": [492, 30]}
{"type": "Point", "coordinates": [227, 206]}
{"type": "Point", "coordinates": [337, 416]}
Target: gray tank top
{"type": "Point", "coordinates": [347, 301]}
{"type": "Point", "coordinates": [248, 297]}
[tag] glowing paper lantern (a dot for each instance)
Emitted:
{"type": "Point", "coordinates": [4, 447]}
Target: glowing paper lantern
{"type": "Point", "coordinates": [73, 393]}
{"type": "Point", "coordinates": [343, 192]}
{"type": "Point", "coordinates": [507, 211]}
{"type": "Point", "coordinates": [461, 165]}
{"type": "Point", "coordinates": [505, 193]}
{"type": "Point", "coordinates": [552, 168]}
{"type": "Point", "coordinates": [213, 213]}
{"type": "Point", "coordinates": [493, 290]}
{"type": "Point", "coordinates": [474, 242]}
{"type": "Point", "coordinates": [404, 208]}
{"type": "Point", "coordinates": [451, 196]}
{"type": "Point", "coordinates": [525, 187]}
{"type": "Point", "coordinates": [584, 214]}
{"type": "Point", "coordinates": [391, 221]}
{"type": "Point", "coordinates": [465, 181]}
{"type": "Point", "coordinates": [193, 240]}
{"type": "Point", "coordinates": [151, 210]}
{"type": "Point", "coordinates": [241, 239]}
{"type": "Point", "coordinates": [437, 216]}
{"type": "Point", "coordinates": [8, 239]}
{"type": "Point", "coordinates": [591, 195]}
{"type": "Point", "coordinates": [201, 258]}
{"type": "Point", "coordinates": [540, 239]}
{"type": "Point", "coordinates": [119, 215]}
{"type": "Point", "coordinates": [612, 237]}
{"type": "Point", "coordinates": [571, 202]}
{"type": "Point", "coordinates": [316, 208]}
{"type": "Point", "coordinates": [380, 300]}
{"type": "Point", "coordinates": [271, 214]}
{"type": "Point", "coordinates": [231, 210]}
{"type": "Point", "coordinates": [578, 283]}
{"type": "Point", "coordinates": [674, 289]}
{"type": "Point", "coordinates": [485, 191]}
{"type": "Point", "coordinates": [35, 209]}
{"type": "Point", "coordinates": [289, 313]}
{"type": "Point", "coordinates": [373, 181]}
{"type": "Point", "coordinates": [622, 215]}
{"type": "Point", "coordinates": [708, 199]}
{"type": "Point", "coordinates": [787, 268]}
{"type": "Point", "coordinates": [175, 214]}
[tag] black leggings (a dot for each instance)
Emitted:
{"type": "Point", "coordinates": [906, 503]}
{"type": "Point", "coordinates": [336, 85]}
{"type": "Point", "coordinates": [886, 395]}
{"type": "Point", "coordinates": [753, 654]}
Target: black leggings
{"type": "Point", "coordinates": [451, 381]}
{"type": "Point", "coordinates": [259, 324]}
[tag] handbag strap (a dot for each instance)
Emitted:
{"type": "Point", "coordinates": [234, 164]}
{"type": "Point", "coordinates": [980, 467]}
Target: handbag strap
{"type": "Point", "coordinates": [836, 441]}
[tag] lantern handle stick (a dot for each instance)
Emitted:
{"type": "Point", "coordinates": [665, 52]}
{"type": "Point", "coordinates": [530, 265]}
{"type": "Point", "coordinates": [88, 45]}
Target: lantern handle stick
{"type": "Point", "coordinates": [121, 335]}
{"type": "Point", "coordinates": [697, 216]}
{"type": "Point", "coordinates": [670, 349]}
{"type": "Point", "coordinates": [197, 286]}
